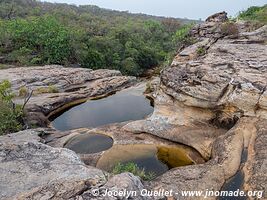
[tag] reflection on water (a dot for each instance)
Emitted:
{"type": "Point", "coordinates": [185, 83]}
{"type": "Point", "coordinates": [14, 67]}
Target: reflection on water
{"type": "Point", "coordinates": [89, 143]}
{"type": "Point", "coordinates": [126, 105]}
{"type": "Point", "coordinates": [155, 159]}
{"type": "Point", "coordinates": [236, 182]}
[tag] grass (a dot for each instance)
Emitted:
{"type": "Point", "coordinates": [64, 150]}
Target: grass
{"type": "Point", "coordinates": [134, 169]}
{"type": "Point", "coordinates": [201, 51]}
{"type": "Point", "coordinates": [49, 89]}
{"type": "Point", "coordinates": [23, 91]}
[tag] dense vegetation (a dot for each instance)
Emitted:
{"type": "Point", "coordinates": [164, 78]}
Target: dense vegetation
{"type": "Point", "coordinates": [36, 33]}
{"type": "Point", "coordinates": [10, 115]}
{"type": "Point", "coordinates": [255, 13]}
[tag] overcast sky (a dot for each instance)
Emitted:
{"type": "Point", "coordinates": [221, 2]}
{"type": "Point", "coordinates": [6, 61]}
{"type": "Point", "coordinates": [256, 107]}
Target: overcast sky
{"type": "Point", "coordinates": [193, 9]}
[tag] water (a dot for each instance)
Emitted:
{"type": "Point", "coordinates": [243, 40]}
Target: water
{"type": "Point", "coordinates": [129, 104]}
{"type": "Point", "coordinates": [153, 159]}
{"type": "Point", "coordinates": [89, 143]}
{"type": "Point", "coordinates": [236, 182]}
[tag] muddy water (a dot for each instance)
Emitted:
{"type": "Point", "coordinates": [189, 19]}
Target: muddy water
{"type": "Point", "coordinates": [151, 158]}
{"type": "Point", "coordinates": [128, 104]}
{"type": "Point", "coordinates": [89, 143]}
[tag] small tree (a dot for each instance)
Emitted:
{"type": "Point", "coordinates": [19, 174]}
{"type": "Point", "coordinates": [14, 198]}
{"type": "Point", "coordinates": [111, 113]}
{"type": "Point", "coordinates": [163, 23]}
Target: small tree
{"type": "Point", "coordinates": [10, 115]}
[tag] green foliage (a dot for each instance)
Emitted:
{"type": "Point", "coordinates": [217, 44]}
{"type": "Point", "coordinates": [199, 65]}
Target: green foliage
{"type": "Point", "coordinates": [9, 114]}
{"type": "Point", "coordinates": [255, 13]}
{"type": "Point", "coordinates": [182, 37]}
{"type": "Point", "coordinates": [134, 169]}
{"type": "Point", "coordinates": [5, 91]}
{"type": "Point", "coordinates": [201, 51]}
{"type": "Point", "coordinates": [35, 33]}
{"type": "Point", "coordinates": [37, 40]}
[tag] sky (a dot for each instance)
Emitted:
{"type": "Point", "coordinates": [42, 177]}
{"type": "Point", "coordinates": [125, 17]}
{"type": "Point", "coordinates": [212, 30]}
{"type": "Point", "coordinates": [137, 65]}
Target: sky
{"type": "Point", "coordinates": [191, 9]}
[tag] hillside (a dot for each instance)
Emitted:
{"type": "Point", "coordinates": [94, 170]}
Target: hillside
{"type": "Point", "coordinates": [37, 33]}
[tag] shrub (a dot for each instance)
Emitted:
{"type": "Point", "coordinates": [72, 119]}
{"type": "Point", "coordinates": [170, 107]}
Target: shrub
{"type": "Point", "coordinates": [10, 115]}
{"type": "Point", "coordinates": [21, 56]}
{"type": "Point", "coordinates": [201, 51]}
{"type": "Point", "coordinates": [134, 169]}
{"type": "Point", "coordinates": [229, 29]}
{"type": "Point", "coordinates": [182, 37]}
{"type": "Point", "coordinates": [9, 118]}
{"type": "Point", "coordinates": [255, 13]}
{"type": "Point", "coordinates": [23, 91]}
{"type": "Point", "coordinates": [43, 39]}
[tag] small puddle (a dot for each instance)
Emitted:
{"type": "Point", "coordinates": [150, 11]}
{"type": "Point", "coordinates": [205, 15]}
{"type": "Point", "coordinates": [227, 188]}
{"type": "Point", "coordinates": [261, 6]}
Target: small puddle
{"type": "Point", "coordinates": [89, 143]}
{"type": "Point", "coordinates": [237, 181]}
{"type": "Point", "coordinates": [128, 104]}
{"type": "Point", "coordinates": [153, 159]}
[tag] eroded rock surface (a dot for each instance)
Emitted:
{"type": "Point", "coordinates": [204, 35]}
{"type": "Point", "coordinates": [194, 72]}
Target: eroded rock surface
{"type": "Point", "coordinates": [56, 87]}
{"type": "Point", "coordinates": [212, 85]}
{"type": "Point", "coordinates": [226, 157]}
{"type": "Point", "coordinates": [30, 169]}
{"type": "Point", "coordinates": [217, 88]}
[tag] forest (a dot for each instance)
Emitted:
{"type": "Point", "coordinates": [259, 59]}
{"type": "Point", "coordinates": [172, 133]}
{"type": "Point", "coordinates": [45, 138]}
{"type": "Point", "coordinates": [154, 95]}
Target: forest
{"type": "Point", "coordinates": [39, 33]}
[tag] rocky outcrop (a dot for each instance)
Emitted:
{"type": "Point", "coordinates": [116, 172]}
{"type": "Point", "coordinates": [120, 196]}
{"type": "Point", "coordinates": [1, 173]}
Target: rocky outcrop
{"type": "Point", "coordinates": [56, 87]}
{"type": "Point", "coordinates": [211, 28]}
{"type": "Point", "coordinates": [30, 169]}
{"type": "Point", "coordinates": [200, 93]}
{"type": "Point", "coordinates": [213, 98]}
{"type": "Point", "coordinates": [227, 150]}
{"type": "Point", "coordinates": [34, 170]}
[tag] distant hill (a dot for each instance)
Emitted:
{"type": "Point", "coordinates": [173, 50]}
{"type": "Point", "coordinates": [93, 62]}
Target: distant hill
{"type": "Point", "coordinates": [38, 33]}
{"type": "Point", "coordinates": [22, 8]}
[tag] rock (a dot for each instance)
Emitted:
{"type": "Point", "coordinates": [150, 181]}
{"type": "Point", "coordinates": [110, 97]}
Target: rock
{"type": "Point", "coordinates": [125, 182]}
{"type": "Point", "coordinates": [227, 150]}
{"type": "Point", "coordinates": [218, 17]}
{"type": "Point", "coordinates": [230, 73]}
{"type": "Point", "coordinates": [215, 103]}
{"type": "Point", "coordinates": [56, 87]}
{"type": "Point", "coordinates": [256, 166]}
{"type": "Point", "coordinates": [211, 28]}
{"type": "Point", "coordinates": [30, 169]}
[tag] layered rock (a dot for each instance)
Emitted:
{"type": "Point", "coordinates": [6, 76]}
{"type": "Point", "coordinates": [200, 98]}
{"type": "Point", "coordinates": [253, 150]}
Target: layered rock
{"type": "Point", "coordinates": [218, 88]}
{"type": "Point", "coordinates": [30, 169]}
{"type": "Point", "coordinates": [226, 158]}
{"type": "Point", "coordinates": [57, 87]}
{"type": "Point", "coordinates": [214, 85]}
